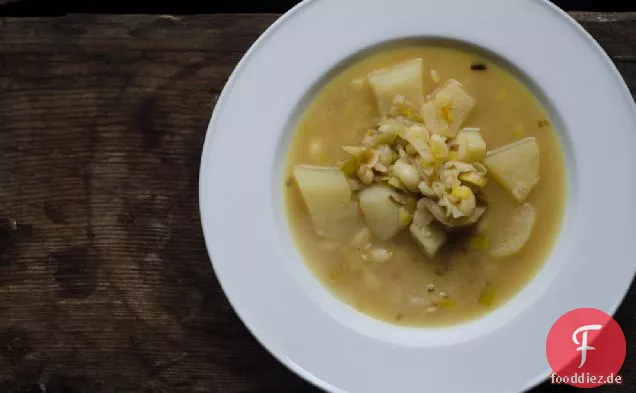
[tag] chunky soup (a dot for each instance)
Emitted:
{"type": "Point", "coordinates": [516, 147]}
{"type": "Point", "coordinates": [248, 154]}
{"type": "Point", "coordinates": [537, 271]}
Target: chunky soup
{"type": "Point", "coordinates": [425, 185]}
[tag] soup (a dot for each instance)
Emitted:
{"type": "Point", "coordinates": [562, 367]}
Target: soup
{"type": "Point", "coordinates": [416, 183]}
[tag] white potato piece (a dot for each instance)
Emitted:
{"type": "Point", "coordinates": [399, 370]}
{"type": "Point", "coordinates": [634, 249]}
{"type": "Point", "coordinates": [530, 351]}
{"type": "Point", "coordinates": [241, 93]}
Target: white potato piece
{"type": "Point", "coordinates": [328, 198]}
{"type": "Point", "coordinates": [515, 167]}
{"type": "Point", "coordinates": [380, 210]}
{"type": "Point", "coordinates": [445, 113]}
{"type": "Point", "coordinates": [471, 147]}
{"type": "Point", "coordinates": [429, 238]}
{"type": "Point", "coordinates": [402, 79]}
{"type": "Point", "coordinates": [517, 233]}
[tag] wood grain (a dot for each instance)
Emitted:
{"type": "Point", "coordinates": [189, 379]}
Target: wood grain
{"type": "Point", "coordinates": [105, 283]}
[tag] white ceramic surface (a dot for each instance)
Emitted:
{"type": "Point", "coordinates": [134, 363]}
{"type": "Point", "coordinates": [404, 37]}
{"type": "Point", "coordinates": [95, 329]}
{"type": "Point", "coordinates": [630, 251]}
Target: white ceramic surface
{"type": "Point", "coordinates": [324, 340]}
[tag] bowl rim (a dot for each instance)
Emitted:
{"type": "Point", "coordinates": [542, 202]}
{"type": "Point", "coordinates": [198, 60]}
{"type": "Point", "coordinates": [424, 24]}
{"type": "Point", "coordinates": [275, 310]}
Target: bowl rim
{"type": "Point", "coordinates": [204, 189]}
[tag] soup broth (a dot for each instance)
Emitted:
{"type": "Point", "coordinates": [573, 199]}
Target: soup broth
{"type": "Point", "coordinates": [433, 115]}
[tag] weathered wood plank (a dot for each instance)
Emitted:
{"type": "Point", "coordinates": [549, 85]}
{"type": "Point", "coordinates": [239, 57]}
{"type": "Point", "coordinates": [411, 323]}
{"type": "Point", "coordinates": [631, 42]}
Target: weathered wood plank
{"type": "Point", "coordinates": [105, 284]}
{"type": "Point", "coordinates": [616, 33]}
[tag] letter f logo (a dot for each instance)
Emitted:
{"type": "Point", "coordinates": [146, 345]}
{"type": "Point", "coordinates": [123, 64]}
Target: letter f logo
{"type": "Point", "coordinates": [583, 344]}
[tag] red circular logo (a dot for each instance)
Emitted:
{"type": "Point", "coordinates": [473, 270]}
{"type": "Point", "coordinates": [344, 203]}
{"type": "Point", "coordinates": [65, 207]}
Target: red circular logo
{"type": "Point", "coordinates": [586, 348]}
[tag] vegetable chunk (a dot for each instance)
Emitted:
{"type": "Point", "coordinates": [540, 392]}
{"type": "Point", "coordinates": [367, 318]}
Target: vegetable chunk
{"type": "Point", "coordinates": [515, 167]}
{"type": "Point", "coordinates": [470, 146]}
{"type": "Point", "coordinates": [445, 113]}
{"type": "Point", "coordinates": [517, 233]}
{"type": "Point", "coordinates": [453, 223]}
{"type": "Point", "coordinates": [429, 238]}
{"type": "Point", "coordinates": [328, 198]}
{"type": "Point", "coordinates": [403, 79]}
{"type": "Point", "coordinates": [381, 211]}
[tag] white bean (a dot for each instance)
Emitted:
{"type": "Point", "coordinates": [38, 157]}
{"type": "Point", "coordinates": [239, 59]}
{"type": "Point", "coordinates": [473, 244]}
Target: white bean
{"type": "Point", "coordinates": [435, 76]}
{"type": "Point", "coordinates": [379, 255]}
{"type": "Point", "coordinates": [359, 83]}
{"type": "Point", "coordinates": [418, 301]}
{"type": "Point", "coordinates": [365, 174]}
{"type": "Point", "coordinates": [316, 151]}
{"type": "Point", "coordinates": [408, 175]}
{"type": "Point", "coordinates": [386, 154]}
{"type": "Point", "coordinates": [362, 238]}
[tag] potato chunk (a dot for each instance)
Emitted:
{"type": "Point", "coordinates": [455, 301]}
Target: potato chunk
{"type": "Point", "coordinates": [517, 233]}
{"type": "Point", "coordinates": [515, 167]}
{"type": "Point", "coordinates": [447, 110]}
{"type": "Point", "coordinates": [380, 210]}
{"type": "Point", "coordinates": [470, 146]}
{"type": "Point", "coordinates": [402, 79]}
{"type": "Point", "coordinates": [328, 198]}
{"type": "Point", "coordinates": [429, 238]}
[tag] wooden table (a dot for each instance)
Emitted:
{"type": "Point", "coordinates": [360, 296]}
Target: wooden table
{"type": "Point", "coordinates": [105, 283]}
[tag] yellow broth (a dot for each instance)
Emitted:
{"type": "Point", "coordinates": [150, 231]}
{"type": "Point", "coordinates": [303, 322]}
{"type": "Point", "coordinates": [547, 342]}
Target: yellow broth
{"type": "Point", "coordinates": [461, 283]}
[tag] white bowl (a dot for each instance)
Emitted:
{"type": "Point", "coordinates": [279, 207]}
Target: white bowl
{"type": "Point", "coordinates": [329, 343]}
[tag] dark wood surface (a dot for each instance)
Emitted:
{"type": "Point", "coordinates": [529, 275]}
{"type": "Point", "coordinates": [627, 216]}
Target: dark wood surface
{"type": "Point", "coordinates": [62, 7]}
{"type": "Point", "coordinates": [105, 283]}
